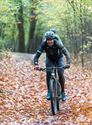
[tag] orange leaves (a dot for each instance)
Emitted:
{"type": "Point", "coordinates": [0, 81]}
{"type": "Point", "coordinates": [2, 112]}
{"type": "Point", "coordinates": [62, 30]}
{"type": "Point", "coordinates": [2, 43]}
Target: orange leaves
{"type": "Point", "coordinates": [1, 79]}
{"type": "Point", "coordinates": [23, 95]}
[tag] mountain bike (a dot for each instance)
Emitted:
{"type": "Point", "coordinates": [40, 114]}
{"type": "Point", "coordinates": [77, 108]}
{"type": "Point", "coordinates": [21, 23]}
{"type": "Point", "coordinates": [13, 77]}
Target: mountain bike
{"type": "Point", "coordinates": [55, 88]}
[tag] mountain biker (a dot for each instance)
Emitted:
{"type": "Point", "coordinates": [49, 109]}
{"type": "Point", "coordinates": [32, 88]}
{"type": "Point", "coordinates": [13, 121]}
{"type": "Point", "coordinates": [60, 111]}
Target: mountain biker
{"type": "Point", "coordinates": [54, 50]}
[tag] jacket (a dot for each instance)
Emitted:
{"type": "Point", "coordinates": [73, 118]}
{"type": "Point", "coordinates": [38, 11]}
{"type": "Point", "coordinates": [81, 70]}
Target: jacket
{"type": "Point", "coordinates": [53, 53]}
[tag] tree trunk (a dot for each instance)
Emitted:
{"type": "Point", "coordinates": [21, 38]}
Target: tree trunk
{"type": "Point", "coordinates": [31, 36]}
{"type": "Point", "coordinates": [31, 44]}
{"type": "Point", "coordinates": [82, 34]}
{"type": "Point", "coordinates": [20, 25]}
{"type": "Point", "coordinates": [73, 4]}
{"type": "Point", "coordinates": [37, 42]}
{"type": "Point", "coordinates": [2, 27]}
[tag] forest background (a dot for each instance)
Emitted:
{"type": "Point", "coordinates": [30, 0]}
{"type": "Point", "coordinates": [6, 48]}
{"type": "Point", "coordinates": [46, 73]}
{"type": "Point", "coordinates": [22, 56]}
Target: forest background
{"type": "Point", "coordinates": [24, 22]}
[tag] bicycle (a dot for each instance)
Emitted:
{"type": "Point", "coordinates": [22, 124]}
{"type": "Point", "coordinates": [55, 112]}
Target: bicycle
{"type": "Point", "coordinates": [55, 88]}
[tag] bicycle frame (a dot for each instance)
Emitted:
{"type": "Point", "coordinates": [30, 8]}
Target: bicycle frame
{"type": "Point", "coordinates": [55, 88]}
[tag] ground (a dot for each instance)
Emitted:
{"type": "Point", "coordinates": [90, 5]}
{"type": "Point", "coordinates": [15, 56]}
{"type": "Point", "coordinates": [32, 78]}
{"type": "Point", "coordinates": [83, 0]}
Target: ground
{"type": "Point", "coordinates": [23, 94]}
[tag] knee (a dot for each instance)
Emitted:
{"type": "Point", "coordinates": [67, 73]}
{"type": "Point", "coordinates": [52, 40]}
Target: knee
{"type": "Point", "coordinates": [61, 77]}
{"type": "Point", "coordinates": [61, 71]}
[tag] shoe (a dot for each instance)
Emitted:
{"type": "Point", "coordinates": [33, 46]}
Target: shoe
{"type": "Point", "coordinates": [64, 97]}
{"type": "Point", "coordinates": [48, 96]}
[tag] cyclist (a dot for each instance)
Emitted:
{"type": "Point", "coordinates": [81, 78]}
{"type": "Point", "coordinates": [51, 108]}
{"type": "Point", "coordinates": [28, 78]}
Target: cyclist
{"type": "Point", "coordinates": [54, 56]}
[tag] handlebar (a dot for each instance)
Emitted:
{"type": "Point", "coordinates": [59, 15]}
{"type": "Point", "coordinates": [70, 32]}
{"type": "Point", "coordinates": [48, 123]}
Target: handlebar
{"type": "Point", "coordinates": [44, 69]}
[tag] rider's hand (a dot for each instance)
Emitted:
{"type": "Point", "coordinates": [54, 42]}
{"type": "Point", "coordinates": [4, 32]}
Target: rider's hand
{"type": "Point", "coordinates": [36, 67]}
{"type": "Point", "coordinates": [68, 65]}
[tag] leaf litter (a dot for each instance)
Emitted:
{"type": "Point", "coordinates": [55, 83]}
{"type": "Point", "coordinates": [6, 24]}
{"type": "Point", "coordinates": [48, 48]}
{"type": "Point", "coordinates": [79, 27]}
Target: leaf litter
{"type": "Point", "coordinates": [23, 95]}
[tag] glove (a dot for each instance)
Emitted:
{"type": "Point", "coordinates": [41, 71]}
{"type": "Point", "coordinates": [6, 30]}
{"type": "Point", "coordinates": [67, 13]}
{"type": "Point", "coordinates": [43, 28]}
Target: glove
{"type": "Point", "coordinates": [36, 67]}
{"type": "Point", "coordinates": [67, 66]}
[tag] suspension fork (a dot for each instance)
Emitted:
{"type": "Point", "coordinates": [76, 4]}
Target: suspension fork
{"type": "Point", "coordinates": [54, 76]}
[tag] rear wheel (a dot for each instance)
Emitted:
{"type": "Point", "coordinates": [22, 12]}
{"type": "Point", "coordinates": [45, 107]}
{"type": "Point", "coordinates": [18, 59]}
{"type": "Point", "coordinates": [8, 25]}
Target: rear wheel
{"type": "Point", "coordinates": [53, 96]}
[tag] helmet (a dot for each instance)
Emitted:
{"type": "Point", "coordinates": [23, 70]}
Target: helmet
{"type": "Point", "coordinates": [53, 30]}
{"type": "Point", "coordinates": [49, 35]}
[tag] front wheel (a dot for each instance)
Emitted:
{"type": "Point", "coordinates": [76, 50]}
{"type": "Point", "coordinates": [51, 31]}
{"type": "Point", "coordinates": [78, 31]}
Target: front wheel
{"type": "Point", "coordinates": [58, 95]}
{"type": "Point", "coordinates": [53, 96]}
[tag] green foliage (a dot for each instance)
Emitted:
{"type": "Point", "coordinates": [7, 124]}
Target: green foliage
{"type": "Point", "coordinates": [7, 22]}
{"type": "Point", "coordinates": [7, 11]}
{"type": "Point", "coordinates": [73, 20]}
{"type": "Point", "coordinates": [59, 14]}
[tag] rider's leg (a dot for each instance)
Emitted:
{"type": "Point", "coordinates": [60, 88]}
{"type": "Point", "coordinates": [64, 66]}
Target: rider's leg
{"type": "Point", "coordinates": [62, 83]}
{"type": "Point", "coordinates": [49, 63]}
{"type": "Point", "coordinates": [60, 63]}
{"type": "Point", "coordinates": [61, 80]}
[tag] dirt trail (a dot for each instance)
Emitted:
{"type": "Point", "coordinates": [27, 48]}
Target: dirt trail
{"type": "Point", "coordinates": [23, 94]}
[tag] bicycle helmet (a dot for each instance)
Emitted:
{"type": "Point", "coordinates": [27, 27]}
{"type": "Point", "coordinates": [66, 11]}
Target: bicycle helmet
{"type": "Point", "coordinates": [49, 35]}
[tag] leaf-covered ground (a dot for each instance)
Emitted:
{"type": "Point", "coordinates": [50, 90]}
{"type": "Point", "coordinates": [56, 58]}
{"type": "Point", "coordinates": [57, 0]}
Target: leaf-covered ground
{"type": "Point", "coordinates": [23, 94]}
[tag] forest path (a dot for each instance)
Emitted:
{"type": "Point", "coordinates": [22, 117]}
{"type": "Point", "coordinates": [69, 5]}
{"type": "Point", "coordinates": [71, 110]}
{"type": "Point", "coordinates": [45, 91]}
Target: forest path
{"type": "Point", "coordinates": [23, 94]}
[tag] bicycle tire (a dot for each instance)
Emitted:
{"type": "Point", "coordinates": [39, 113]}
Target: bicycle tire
{"type": "Point", "coordinates": [58, 96]}
{"type": "Point", "coordinates": [53, 96]}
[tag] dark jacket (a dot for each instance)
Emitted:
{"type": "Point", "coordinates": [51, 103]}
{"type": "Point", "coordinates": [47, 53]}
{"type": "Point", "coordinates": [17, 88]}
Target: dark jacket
{"type": "Point", "coordinates": [53, 53]}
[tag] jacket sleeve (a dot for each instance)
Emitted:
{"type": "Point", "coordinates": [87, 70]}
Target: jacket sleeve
{"type": "Point", "coordinates": [63, 50]}
{"type": "Point", "coordinates": [38, 53]}
{"type": "Point", "coordinates": [67, 54]}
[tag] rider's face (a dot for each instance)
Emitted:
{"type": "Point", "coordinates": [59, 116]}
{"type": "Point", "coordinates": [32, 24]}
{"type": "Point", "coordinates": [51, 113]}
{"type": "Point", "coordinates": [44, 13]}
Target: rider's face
{"type": "Point", "coordinates": [50, 42]}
